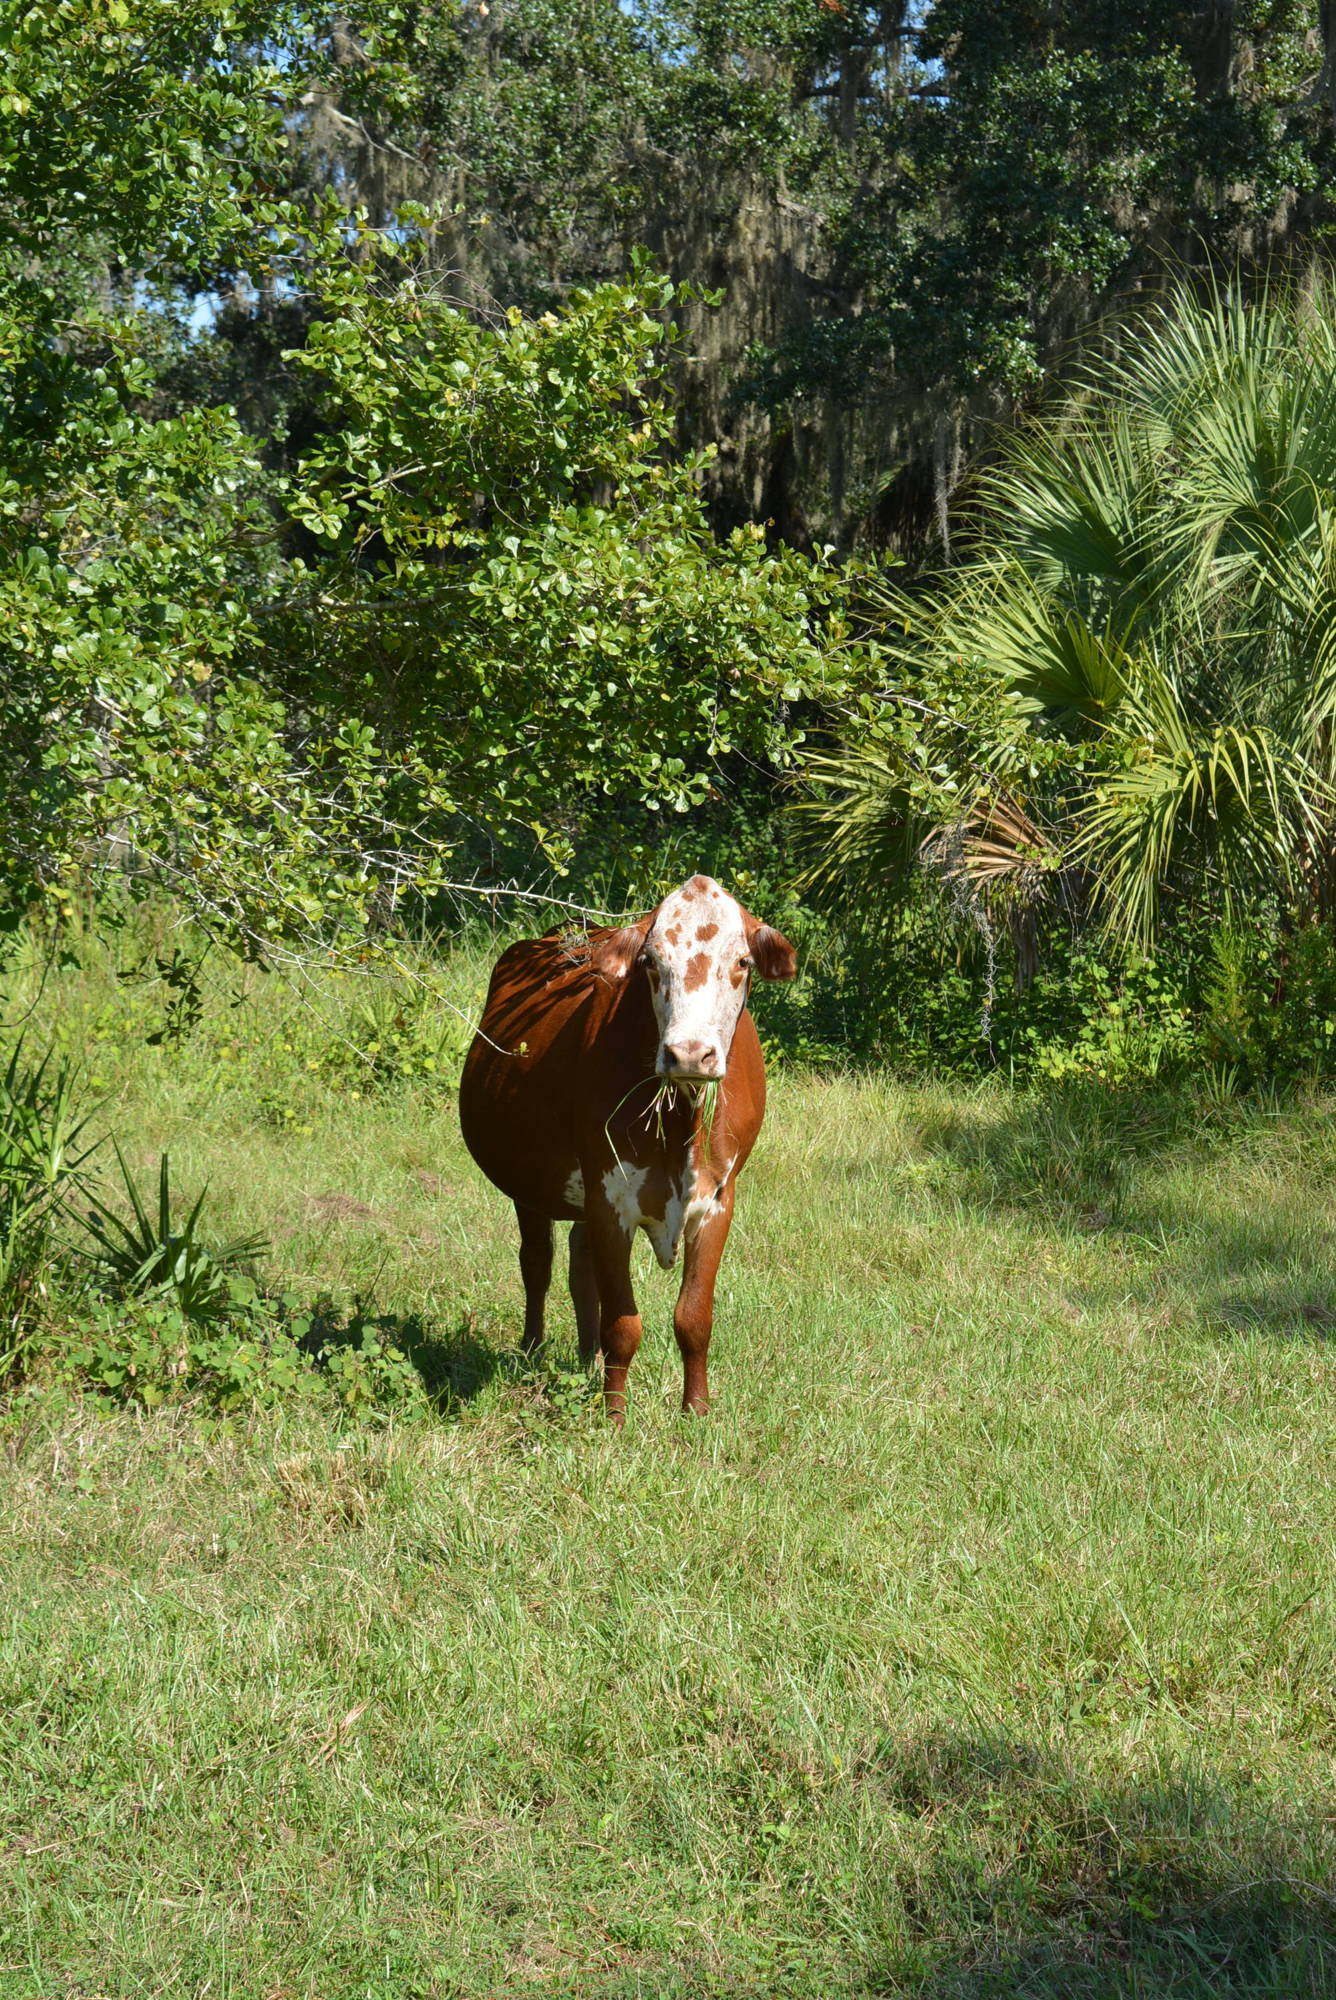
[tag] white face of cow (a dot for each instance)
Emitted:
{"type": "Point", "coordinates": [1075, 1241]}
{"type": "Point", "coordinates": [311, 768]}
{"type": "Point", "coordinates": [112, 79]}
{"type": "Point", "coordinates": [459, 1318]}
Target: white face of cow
{"type": "Point", "coordinates": [698, 961]}
{"type": "Point", "coordinates": [697, 952]}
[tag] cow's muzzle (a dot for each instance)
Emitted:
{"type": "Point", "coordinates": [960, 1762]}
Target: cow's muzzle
{"type": "Point", "coordinates": [691, 1062]}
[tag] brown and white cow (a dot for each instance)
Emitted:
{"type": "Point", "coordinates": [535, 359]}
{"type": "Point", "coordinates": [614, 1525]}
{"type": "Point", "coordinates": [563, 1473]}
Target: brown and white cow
{"type": "Point", "coordinates": [562, 1106]}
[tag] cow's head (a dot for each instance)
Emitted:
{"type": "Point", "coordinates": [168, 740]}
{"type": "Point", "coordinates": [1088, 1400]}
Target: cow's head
{"type": "Point", "coordinates": [698, 951]}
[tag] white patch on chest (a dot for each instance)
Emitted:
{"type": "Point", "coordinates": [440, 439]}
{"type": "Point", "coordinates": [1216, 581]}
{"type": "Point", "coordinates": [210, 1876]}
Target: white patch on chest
{"type": "Point", "coordinates": [574, 1190]}
{"type": "Point", "coordinates": [665, 1236]}
{"type": "Point", "coordinates": [624, 1185]}
{"type": "Point", "coordinates": [689, 1206]}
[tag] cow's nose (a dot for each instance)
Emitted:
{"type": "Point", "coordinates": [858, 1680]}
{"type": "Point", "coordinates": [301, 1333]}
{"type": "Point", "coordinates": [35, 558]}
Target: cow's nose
{"type": "Point", "coordinates": [691, 1059]}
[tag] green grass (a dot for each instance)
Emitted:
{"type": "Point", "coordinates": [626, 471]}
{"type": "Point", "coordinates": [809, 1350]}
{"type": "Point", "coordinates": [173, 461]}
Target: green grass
{"type": "Point", "coordinates": [980, 1642]}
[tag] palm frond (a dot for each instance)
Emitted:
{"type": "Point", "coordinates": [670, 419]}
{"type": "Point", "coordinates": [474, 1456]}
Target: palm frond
{"type": "Point", "coordinates": [1143, 659]}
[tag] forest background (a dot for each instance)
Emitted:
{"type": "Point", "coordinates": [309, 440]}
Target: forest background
{"type": "Point", "coordinates": [884, 454]}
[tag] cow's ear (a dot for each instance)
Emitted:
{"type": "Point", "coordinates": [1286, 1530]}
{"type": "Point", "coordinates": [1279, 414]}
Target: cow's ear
{"type": "Point", "coordinates": [613, 953]}
{"type": "Point", "coordinates": [772, 954]}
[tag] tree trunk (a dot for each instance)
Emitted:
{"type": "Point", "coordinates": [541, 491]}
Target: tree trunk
{"type": "Point", "coordinates": [1211, 49]}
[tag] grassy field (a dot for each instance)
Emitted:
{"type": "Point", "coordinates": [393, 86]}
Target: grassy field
{"type": "Point", "coordinates": [980, 1642]}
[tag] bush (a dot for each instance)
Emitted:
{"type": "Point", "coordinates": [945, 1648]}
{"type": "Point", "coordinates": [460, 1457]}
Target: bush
{"type": "Point", "coordinates": [1255, 1003]}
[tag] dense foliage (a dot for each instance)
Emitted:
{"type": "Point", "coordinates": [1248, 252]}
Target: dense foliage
{"type": "Point", "coordinates": [911, 210]}
{"type": "Point", "coordinates": [349, 547]}
{"type": "Point", "coordinates": [519, 569]}
{"type": "Point", "coordinates": [486, 589]}
{"type": "Point", "coordinates": [1118, 710]}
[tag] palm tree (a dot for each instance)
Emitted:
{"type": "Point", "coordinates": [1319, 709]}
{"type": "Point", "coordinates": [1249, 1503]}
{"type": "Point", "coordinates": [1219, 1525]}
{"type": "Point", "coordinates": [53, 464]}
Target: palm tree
{"type": "Point", "coordinates": [1131, 685]}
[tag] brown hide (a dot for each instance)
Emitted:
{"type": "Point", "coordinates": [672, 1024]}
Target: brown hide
{"type": "Point", "coordinates": [557, 1108]}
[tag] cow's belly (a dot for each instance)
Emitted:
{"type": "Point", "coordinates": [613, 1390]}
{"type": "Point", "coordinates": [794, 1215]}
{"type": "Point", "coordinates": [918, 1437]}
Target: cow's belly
{"type": "Point", "coordinates": [545, 1178]}
{"type": "Point", "coordinates": [533, 1159]}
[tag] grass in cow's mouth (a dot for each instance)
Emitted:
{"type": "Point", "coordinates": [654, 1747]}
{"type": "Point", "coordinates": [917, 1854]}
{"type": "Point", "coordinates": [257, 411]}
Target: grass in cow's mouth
{"type": "Point", "coordinates": [663, 1099]}
{"type": "Point", "coordinates": [704, 1094]}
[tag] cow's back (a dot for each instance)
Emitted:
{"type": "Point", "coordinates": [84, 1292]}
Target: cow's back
{"type": "Point", "coordinates": [524, 1094]}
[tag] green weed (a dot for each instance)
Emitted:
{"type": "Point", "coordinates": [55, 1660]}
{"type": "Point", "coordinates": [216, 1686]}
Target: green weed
{"type": "Point", "coordinates": [155, 1254]}
{"type": "Point", "coordinates": [44, 1151]}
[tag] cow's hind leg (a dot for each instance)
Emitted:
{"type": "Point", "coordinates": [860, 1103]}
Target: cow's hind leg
{"type": "Point", "coordinates": [584, 1294]}
{"type": "Point", "coordinates": [536, 1271]}
{"type": "Point", "coordinates": [693, 1317]}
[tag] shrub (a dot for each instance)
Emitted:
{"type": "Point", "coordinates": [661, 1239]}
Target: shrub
{"type": "Point", "coordinates": [152, 1256]}
{"type": "Point", "coordinates": [1118, 708]}
{"type": "Point", "coordinates": [261, 1353]}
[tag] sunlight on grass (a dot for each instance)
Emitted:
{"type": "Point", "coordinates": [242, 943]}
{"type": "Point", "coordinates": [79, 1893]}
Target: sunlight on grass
{"type": "Point", "coordinates": [979, 1642]}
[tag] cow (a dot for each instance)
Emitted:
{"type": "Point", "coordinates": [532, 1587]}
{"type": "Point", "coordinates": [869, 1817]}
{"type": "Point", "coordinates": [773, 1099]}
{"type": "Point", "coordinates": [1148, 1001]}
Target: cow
{"type": "Point", "coordinates": [586, 1098]}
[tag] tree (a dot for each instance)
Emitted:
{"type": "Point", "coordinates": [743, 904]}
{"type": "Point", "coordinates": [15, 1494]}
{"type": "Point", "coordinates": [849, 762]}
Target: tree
{"type": "Point", "coordinates": [517, 564]}
{"type": "Point", "coordinates": [489, 589]}
{"type": "Point", "coordinates": [912, 210]}
{"type": "Point", "coordinates": [134, 149]}
{"type": "Point", "coordinates": [1031, 169]}
{"type": "Point", "coordinates": [554, 137]}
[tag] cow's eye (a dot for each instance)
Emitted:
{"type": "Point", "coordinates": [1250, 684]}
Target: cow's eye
{"type": "Point", "coordinates": [744, 963]}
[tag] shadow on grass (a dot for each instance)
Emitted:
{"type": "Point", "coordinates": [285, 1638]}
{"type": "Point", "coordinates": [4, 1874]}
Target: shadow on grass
{"type": "Point", "coordinates": [454, 1367]}
{"type": "Point", "coordinates": [1303, 1312]}
{"type": "Point", "coordinates": [457, 1366]}
{"type": "Point", "coordinates": [1067, 1152]}
{"type": "Point", "coordinates": [1243, 1250]}
{"type": "Point", "coordinates": [1044, 1884]}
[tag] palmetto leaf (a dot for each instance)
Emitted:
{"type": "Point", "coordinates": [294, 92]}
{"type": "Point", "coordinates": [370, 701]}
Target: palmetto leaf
{"type": "Point", "coordinates": [151, 1256]}
{"type": "Point", "coordinates": [1042, 651]}
{"type": "Point", "coordinates": [1156, 594]}
{"type": "Point", "coordinates": [866, 821]}
{"type": "Point", "coordinates": [1076, 509]}
{"type": "Point", "coordinates": [1195, 794]}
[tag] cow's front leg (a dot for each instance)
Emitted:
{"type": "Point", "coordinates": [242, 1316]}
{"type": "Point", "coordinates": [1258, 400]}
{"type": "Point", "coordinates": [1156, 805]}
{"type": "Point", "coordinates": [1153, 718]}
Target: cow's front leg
{"type": "Point", "coordinates": [693, 1316]}
{"type": "Point", "coordinates": [536, 1271]}
{"type": "Point", "coordinates": [619, 1323]}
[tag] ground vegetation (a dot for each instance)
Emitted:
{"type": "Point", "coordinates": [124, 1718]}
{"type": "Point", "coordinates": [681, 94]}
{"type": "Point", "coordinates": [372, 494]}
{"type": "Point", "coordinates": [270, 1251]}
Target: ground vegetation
{"type": "Point", "coordinates": [977, 1642]}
